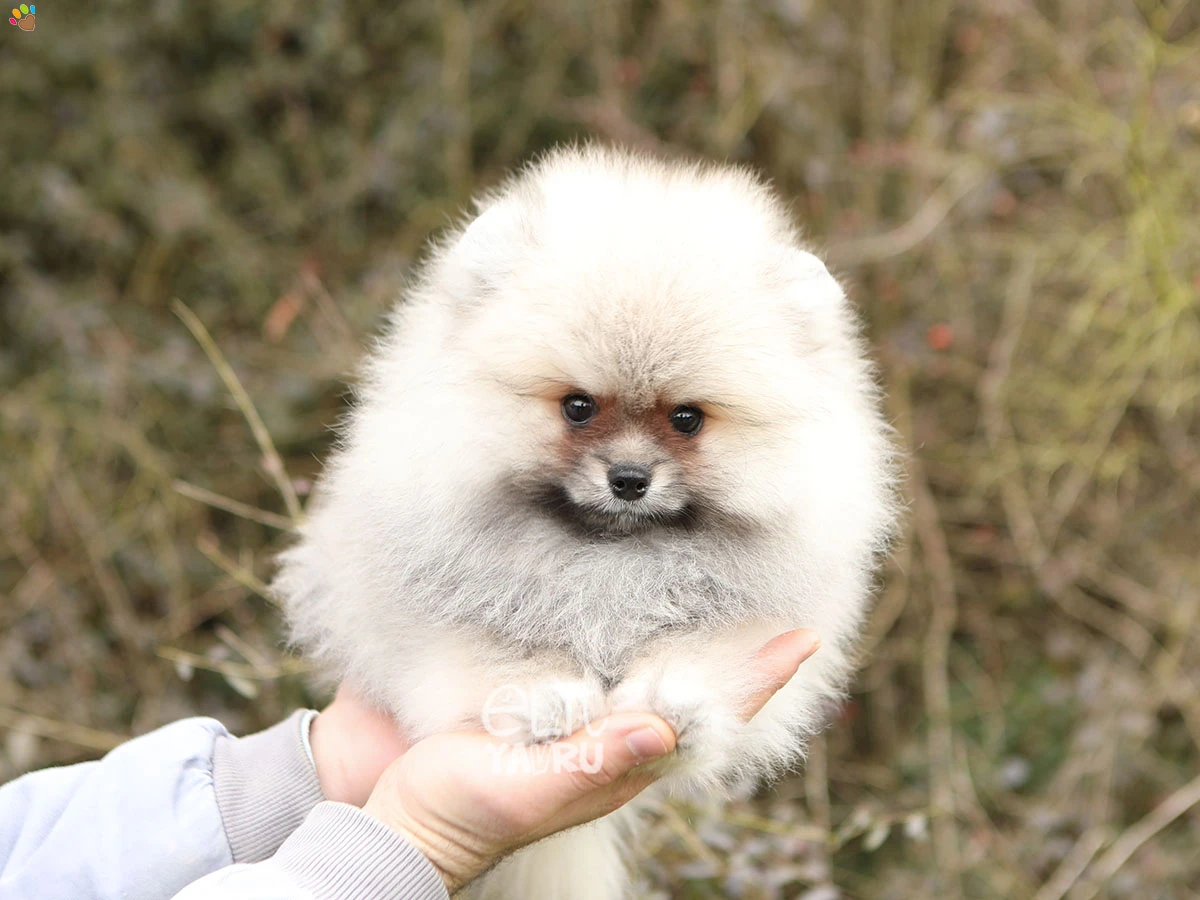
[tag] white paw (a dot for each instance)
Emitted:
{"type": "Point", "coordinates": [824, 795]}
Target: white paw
{"type": "Point", "coordinates": [683, 699]}
{"type": "Point", "coordinates": [539, 712]}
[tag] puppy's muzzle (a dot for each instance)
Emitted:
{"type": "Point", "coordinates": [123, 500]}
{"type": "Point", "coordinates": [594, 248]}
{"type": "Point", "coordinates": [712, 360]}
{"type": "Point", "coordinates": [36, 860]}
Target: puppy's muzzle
{"type": "Point", "coordinates": [628, 481]}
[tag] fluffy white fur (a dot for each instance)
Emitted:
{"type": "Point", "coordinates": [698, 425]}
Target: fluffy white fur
{"type": "Point", "coordinates": [466, 538]}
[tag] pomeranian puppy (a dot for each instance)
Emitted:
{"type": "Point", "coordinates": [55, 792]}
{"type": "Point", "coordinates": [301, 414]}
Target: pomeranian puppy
{"type": "Point", "coordinates": [620, 433]}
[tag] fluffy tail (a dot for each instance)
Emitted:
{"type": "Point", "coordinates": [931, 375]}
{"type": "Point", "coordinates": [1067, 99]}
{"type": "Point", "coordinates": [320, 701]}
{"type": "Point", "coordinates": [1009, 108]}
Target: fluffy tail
{"type": "Point", "coordinates": [585, 863]}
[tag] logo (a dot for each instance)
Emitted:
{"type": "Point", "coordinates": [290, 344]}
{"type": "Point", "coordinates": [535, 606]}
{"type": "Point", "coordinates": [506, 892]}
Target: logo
{"type": "Point", "coordinates": [24, 18]}
{"type": "Point", "coordinates": [532, 725]}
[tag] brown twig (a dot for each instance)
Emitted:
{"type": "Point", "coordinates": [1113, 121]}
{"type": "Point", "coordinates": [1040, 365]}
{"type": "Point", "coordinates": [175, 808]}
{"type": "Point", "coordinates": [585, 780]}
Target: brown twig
{"type": "Point", "coordinates": [935, 659]}
{"type": "Point", "coordinates": [1072, 866]}
{"type": "Point", "coordinates": [228, 668]}
{"type": "Point", "coordinates": [68, 732]}
{"type": "Point", "coordinates": [272, 460]}
{"type": "Point", "coordinates": [923, 223]}
{"type": "Point", "coordinates": [208, 545]}
{"type": "Point", "coordinates": [229, 505]}
{"type": "Point", "coordinates": [1135, 836]}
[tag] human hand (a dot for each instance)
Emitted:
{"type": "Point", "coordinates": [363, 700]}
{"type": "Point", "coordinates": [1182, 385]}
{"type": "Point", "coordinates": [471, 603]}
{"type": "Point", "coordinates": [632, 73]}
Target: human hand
{"type": "Point", "coordinates": [352, 743]}
{"type": "Point", "coordinates": [464, 802]}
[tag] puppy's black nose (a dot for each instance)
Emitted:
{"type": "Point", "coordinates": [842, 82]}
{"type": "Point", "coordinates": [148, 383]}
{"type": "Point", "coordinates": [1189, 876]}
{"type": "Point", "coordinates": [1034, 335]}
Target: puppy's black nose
{"type": "Point", "coordinates": [629, 482]}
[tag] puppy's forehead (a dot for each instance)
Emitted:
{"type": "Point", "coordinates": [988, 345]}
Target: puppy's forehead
{"type": "Point", "coordinates": [639, 282]}
{"type": "Point", "coordinates": [663, 327]}
{"type": "Point", "coordinates": [646, 329]}
{"type": "Point", "coordinates": [646, 351]}
{"type": "Point", "coordinates": [657, 371]}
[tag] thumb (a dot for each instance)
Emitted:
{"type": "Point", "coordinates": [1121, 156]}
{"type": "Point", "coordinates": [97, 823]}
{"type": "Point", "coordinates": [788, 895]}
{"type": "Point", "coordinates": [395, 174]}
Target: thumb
{"type": "Point", "coordinates": [610, 748]}
{"type": "Point", "coordinates": [631, 740]}
{"type": "Point", "coordinates": [612, 766]}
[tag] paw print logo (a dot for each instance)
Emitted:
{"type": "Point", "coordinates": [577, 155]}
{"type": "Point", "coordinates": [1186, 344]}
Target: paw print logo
{"type": "Point", "coordinates": [24, 18]}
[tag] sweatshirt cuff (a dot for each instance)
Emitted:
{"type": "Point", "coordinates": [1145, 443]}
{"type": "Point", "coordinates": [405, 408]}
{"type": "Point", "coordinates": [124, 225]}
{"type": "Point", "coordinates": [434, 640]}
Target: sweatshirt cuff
{"type": "Point", "coordinates": [265, 786]}
{"type": "Point", "coordinates": [340, 851]}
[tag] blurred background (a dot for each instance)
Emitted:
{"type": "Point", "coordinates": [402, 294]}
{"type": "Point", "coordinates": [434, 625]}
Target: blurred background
{"type": "Point", "coordinates": [205, 210]}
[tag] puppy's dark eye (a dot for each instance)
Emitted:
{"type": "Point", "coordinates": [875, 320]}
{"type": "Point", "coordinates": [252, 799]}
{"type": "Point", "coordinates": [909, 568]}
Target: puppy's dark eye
{"type": "Point", "coordinates": [578, 408]}
{"type": "Point", "coordinates": [686, 419]}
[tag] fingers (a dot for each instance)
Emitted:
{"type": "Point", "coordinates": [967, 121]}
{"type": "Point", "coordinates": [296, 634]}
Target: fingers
{"type": "Point", "coordinates": [609, 752]}
{"type": "Point", "coordinates": [612, 756]}
{"type": "Point", "coordinates": [777, 662]}
{"type": "Point", "coordinates": [603, 752]}
{"type": "Point", "coordinates": [627, 742]}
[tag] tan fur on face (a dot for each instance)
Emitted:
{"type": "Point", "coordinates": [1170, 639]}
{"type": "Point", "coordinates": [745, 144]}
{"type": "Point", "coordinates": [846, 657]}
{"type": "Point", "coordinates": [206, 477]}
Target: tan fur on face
{"type": "Point", "coordinates": [634, 433]}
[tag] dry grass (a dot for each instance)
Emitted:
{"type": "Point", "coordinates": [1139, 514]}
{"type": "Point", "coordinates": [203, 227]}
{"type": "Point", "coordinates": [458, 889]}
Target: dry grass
{"type": "Point", "coordinates": [1012, 188]}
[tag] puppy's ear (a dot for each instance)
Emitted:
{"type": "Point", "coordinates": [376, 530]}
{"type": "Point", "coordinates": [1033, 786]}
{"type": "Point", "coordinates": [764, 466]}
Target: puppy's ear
{"type": "Point", "coordinates": [486, 251]}
{"type": "Point", "coordinates": [817, 302]}
{"type": "Point", "coordinates": [812, 288]}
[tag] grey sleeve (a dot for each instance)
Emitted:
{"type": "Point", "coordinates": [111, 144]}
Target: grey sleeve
{"type": "Point", "coordinates": [265, 786]}
{"type": "Point", "coordinates": [338, 852]}
{"type": "Point", "coordinates": [289, 843]}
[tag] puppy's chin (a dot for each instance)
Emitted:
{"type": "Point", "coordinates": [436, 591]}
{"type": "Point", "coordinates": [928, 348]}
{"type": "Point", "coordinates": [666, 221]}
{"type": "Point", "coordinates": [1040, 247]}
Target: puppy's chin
{"type": "Point", "coordinates": [616, 520]}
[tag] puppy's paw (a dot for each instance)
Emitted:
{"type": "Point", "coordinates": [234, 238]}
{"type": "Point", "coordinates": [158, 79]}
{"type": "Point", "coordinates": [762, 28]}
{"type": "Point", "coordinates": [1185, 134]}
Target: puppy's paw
{"type": "Point", "coordinates": [545, 711]}
{"type": "Point", "coordinates": [681, 696]}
